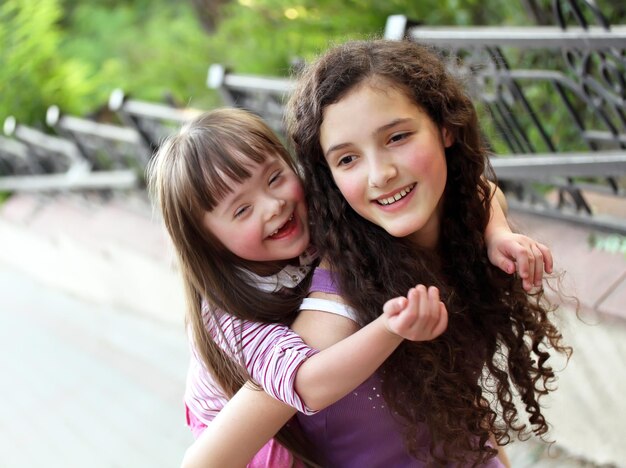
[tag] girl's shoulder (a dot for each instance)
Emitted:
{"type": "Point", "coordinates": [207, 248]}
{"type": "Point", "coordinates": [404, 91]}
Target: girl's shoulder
{"type": "Point", "coordinates": [324, 264]}
{"type": "Point", "coordinates": [324, 281]}
{"type": "Point", "coordinates": [324, 295]}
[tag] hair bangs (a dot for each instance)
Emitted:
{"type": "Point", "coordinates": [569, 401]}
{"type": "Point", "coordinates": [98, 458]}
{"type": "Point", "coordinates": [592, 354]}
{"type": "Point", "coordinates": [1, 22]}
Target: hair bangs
{"type": "Point", "coordinates": [221, 166]}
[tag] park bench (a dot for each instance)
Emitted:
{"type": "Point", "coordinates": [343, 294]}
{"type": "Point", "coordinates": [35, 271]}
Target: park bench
{"type": "Point", "coordinates": [549, 167]}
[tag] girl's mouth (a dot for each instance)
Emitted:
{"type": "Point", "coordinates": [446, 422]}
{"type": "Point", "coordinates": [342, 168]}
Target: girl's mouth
{"type": "Point", "coordinates": [397, 196]}
{"type": "Point", "coordinates": [286, 229]}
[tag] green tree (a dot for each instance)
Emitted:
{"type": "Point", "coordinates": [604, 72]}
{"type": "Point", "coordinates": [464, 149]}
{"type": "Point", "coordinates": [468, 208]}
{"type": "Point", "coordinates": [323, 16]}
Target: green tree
{"type": "Point", "coordinates": [149, 49]}
{"type": "Point", "coordinates": [264, 36]}
{"type": "Point", "coordinates": [74, 53]}
{"type": "Point", "coordinates": [33, 74]}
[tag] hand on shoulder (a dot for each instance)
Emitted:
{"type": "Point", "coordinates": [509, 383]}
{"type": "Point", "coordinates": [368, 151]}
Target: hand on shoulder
{"type": "Point", "coordinates": [513, 252]}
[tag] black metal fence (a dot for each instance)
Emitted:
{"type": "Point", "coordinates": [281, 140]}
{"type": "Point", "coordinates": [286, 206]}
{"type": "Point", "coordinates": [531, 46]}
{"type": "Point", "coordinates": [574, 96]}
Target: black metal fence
{"type": "Point", "coordinates": [553, 101]}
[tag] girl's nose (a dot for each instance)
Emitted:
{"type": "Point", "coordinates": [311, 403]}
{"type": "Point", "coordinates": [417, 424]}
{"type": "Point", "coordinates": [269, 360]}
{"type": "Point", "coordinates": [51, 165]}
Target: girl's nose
{"type": "Point", "coordinates": [274, 207]}
{"type": "Point", "coordinates": [381, 171]}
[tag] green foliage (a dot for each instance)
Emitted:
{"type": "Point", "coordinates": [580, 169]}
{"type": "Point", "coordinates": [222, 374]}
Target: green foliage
{"type": "Point", "coordinates": [33, 74]}
{"type": "Point", "coordinates": [264, 36]}
{"type": "Point", "coordinates": [74, 53]}
{"type": "Point", "coordinates": [147, 49]}
{"type": "Point", "coordinates": [75, 58]}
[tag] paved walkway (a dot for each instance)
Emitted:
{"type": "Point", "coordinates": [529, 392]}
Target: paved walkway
{"type": "Point", "coordinates": [93, 351]}
{"type": "Point", "coordinates": [85, 384]}
{"type": "Point", "coordinates": [597, 278]}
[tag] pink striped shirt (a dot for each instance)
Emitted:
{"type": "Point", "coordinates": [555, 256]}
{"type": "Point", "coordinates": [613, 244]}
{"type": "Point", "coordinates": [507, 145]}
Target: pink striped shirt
{"type": "Point", "coordinates": [272, 353]}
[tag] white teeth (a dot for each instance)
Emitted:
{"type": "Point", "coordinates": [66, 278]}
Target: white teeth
{"type": "Point", "coordinates": [401, 194]}
{"type": "Point", "coordinates": [276, 231]}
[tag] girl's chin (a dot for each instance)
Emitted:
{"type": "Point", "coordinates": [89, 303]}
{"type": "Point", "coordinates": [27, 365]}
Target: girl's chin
{"type": "Point", "coordinates": [396, 231]}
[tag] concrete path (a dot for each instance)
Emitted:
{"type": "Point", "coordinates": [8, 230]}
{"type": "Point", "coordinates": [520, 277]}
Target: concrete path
{"type": "Point", "coordinates": [84, 384]}
{"type": "Point", "coordinates": [94, 355]}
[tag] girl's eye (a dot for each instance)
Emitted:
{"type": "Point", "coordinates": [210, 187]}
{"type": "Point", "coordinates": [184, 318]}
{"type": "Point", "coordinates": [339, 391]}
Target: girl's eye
{"type": "Point", "coordinates": [240, 211]}
{"type": "Point", "coordinates": [345, 160]}
{"type": "Point", "coordinates": [275, 176]}
{"type": "Point", "coordinates": [398, 137]}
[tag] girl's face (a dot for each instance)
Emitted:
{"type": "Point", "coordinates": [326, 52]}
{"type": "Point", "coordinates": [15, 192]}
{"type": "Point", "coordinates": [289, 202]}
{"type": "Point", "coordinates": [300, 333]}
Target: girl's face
{"type": "Point", "coordinates": [388, 159]}
{"type": "Point", "coordinates": [264, 218]}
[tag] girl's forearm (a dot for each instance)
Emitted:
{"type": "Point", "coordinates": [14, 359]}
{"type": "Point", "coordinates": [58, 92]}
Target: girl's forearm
{"type": "Point", "coordinates": [337, 370]}
{"type": "Point", "coordinates": [249, 420]}
{"type": "Point", "coordinates": [497, 218]}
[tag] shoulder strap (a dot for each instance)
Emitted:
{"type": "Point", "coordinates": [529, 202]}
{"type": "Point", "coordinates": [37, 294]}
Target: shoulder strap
{"type": "Point", "coordinates": [326, 305]}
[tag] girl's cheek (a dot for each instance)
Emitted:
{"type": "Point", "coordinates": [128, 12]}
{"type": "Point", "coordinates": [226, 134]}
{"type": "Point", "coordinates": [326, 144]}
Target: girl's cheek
{"type": "Point", "coordinates": [297, 190]}
{"type": "Point", "coordinates": [248, 244]}
{"type": "Point", "coordinates": [350, 189]}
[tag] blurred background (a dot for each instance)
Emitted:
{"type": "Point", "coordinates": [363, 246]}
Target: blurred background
{"type": "Point", "coordinates": [73, 54]}
{"type": "Point", "coordinates": [92, 345]}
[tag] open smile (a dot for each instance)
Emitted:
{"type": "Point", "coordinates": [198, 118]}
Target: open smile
{"type": "Point", "coordinates": [284, 230]}
{"type": "Point", "coordinates": [385, 201]}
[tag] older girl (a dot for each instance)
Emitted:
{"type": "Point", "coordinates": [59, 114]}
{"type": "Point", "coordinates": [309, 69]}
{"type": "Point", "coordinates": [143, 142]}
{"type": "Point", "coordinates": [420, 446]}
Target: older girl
{"type": "Point", "coordinates": [392, 155]}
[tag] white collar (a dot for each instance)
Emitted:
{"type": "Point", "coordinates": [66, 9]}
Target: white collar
{"type": "Point", "coordinates": [289, 277]}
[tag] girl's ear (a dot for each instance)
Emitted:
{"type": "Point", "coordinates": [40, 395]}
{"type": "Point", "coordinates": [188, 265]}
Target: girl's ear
{"type": "Point", "coordinates": [447, 137]}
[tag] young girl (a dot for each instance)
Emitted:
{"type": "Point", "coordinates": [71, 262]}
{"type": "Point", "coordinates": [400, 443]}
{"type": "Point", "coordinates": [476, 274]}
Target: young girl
{"type": "Point", "coordinates": [392, 154]}
{"type": "Point", "coordinates": [233, 206]}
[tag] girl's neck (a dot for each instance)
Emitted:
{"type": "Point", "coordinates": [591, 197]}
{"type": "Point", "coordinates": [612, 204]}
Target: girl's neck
{"type": "Point", "coordinates": [271, 268]}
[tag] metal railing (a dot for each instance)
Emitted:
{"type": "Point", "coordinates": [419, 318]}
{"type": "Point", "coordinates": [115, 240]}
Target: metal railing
{"type": "Point", "coordinates": [263, 95]}
{"type": "Point", "coordinates": [83, 154]}
{"type": "Point", "coordinates": [37, 161]}
{"type": "Point", "coordinates": [152, 121]}
{"type": "Point", "coordinates": [555, 97]}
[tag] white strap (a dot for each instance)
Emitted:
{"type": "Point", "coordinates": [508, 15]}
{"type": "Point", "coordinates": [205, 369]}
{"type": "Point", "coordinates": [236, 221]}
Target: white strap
{"type": "Point", "coordinates": [326, 305]}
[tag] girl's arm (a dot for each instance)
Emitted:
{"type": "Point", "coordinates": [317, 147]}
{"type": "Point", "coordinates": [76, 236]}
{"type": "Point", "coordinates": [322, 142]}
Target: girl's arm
{"type": "Point", "coordinates": [280, 362]}
{"type": "Point", "coordinates": [253, 417]}
{"type": "Point", "coordinates": [239, 431]}
{"type": "Point", "coordinates": [514, 252]}
{"type": "Point", "coordinates": [339, 369]}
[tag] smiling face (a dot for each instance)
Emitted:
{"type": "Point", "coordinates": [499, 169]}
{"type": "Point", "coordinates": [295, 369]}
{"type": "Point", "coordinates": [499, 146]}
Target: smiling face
{"type": "Point", "coordinates": [264, 218]}
{"type": "Point", "coordinates": [387, 158]}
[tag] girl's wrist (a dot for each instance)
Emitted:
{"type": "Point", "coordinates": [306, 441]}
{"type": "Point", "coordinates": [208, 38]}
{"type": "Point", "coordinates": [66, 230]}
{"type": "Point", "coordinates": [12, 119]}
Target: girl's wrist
{"type": "Point", "coordinates": [492, 233]}
{"type": "Point", "coordinates": [384, 325]}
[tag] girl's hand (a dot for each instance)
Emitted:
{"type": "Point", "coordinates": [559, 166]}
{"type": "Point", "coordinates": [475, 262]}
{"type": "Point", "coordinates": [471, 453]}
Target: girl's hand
{"type": "Point", "coordinates": [515, 252]}
{"type": "Point", "coordinates": [420, 316]}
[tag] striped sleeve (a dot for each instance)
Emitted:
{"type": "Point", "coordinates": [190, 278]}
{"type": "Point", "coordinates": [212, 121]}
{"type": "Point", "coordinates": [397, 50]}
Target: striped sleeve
{"type": "Point", "coordinates": [272, 354]}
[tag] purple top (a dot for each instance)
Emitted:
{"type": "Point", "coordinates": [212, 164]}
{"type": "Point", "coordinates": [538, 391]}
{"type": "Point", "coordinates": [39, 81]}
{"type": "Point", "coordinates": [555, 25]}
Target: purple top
{"type": "Point", "coordinates": [360, 430]}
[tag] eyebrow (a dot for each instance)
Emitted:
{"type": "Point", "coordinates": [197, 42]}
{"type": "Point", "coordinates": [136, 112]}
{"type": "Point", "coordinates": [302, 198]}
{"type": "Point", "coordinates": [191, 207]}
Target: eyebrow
{"type": "Point", "coordinates": [383, 128]}
{"type": "Point", "coordinates": [265, 167]}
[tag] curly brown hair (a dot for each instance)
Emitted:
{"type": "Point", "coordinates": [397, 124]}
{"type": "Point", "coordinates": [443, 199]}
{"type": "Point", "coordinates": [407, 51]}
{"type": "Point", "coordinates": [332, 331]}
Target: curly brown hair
{"type": "Point", "coordinates": [461, 385]}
